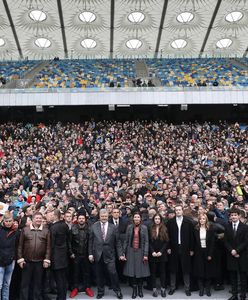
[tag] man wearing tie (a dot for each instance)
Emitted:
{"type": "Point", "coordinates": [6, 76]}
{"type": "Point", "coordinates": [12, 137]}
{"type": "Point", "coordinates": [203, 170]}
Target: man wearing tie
{"type": "Point", "coordinates": [121, 225]}
{"type": "Point", "coordinates": [236, 243]}
{"type": "Point", "coordinates": [104, 242]}
{"type": "Point", "coordinates": [180, 249]}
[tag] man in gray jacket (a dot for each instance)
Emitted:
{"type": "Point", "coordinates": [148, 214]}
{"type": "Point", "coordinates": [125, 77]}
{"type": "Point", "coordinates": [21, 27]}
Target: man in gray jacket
{"type": "Point", "coordinates": [103, 242]}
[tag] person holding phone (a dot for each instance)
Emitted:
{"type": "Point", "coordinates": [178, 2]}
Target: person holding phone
{"type": "Point", "coordinates": [136, 248]}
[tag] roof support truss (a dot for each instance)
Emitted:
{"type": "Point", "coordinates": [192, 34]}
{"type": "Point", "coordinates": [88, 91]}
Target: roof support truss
{"type": "Point", "coordinates": [161, 28]}
{"type": "Point", "coordinates": [210, 27]}
{"type": "Point", "coordinates": [13, 28]}
{"type": "Point", "coordinates": [61, 18]}
{"type": "Point", "coordinates": [112, 20]}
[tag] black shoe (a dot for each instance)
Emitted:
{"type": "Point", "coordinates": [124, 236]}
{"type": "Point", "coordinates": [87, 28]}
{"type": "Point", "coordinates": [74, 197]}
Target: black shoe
{"type": "Point", "coordinates": [119, 295]}
{"type": "Point", "coordinates": [134, 294]}
{"type": "Point", "coordinates": [171, 292]}
{"type": "Point", "coordinates": [233, 297]}
{"type": "Point", "coordinates": [155, 293]}
{"type": "Point", "coordinates": [163, 293]}
{"type": "Point", "coordinates": [208, 293]}
{"type": "Point", "coordinates": [140, 292]}
{"type": "Point", "coordinates": [201, 292]}
{"type": "Point", "coordinates": [187, 293]}
{"type": "Point", "coordinates": [99, 296]}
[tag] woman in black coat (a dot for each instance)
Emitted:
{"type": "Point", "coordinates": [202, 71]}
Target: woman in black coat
{"type": "Point", "coordinates": [203, 263]}
{"type": "Point", "coordinates": [158, 243]}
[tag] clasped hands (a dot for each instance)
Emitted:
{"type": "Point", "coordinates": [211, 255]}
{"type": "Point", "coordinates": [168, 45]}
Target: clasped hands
{"type": "Point", "coordinates": [235, 253]}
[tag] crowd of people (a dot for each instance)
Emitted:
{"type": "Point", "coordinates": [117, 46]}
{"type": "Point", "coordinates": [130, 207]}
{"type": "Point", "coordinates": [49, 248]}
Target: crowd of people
{"type": "Point", "coordinates": [99, 203]}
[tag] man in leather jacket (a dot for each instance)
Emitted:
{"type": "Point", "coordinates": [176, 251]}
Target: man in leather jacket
{"type": "Point", "coordinates": [79, 237]}
{"type": "Point", "coordinates": [34, 251]}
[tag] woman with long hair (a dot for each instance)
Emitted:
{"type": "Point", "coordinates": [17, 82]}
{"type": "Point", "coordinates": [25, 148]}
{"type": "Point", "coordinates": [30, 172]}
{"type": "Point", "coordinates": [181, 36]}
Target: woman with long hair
{"type": "Point", "coordinates": [203, 261]}
{"type": "Point", "coordinates": [136, 248]}
{"type": "Point", "coordinates": [158, 255]}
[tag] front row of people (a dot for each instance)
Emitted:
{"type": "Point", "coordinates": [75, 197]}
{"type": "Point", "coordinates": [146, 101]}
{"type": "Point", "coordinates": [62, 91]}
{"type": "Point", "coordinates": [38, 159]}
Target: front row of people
{"type": "Point", "coordinates": [144, 252]}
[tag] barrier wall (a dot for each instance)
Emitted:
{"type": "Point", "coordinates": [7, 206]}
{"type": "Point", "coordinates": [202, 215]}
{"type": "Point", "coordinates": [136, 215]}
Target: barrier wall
{"type": "Point", "coordinates": [130, 96]}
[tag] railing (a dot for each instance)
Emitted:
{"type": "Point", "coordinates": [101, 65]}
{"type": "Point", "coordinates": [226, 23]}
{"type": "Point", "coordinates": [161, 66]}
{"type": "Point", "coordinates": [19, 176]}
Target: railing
{"type": "Point", "coordinates": [122, 89]}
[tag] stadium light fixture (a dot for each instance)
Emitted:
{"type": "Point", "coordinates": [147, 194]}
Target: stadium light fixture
{"type": "Point", "coordinates": [87, 17]}
{"type": "Point", "coordinates": [123, 105]}
{"type": "Point", "coordinates": [185, 17]}
{"type": "Point", "coordinates": [224, 43]}
{"type": "Point", "coordinates": [136, 17]}
{"type": "Point", "coordinates": [179, 44]}
{"type": "Point", "coordinates": [2, 42]}
{"type": "Point", "coordinates": [134, 44]}
{"type": "Point", "coordinates": [42, 42]}
{"type": "Point", "coordinates": [234, 16]}
{"type": "Point", "coordinates": [37, 15]}
{"type": "Point", "coordinates": [88, 43]}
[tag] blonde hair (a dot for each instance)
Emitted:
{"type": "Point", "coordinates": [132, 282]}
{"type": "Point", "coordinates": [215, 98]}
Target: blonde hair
{"type": "Point", "coordinates": [198, 225]}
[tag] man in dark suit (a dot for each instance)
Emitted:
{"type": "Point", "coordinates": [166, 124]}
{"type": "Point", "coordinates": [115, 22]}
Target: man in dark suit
{"type": "Point", "coordinates": [104, 241]}
{"type": "Point", "coordinates": [121, 225]}
{"type": "Point", "coordinates": [236, 242]}
{"type": "Point", "coordinates": [180, 249]}
{"type": "Point", "coordinates": [59, 255]}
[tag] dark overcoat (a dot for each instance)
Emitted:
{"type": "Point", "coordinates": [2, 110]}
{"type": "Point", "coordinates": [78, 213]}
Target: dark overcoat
{"type": "Point", "coordinates": [238, 242]}
{"type": "Point", "coordinates": [187, 244]}
{"type": "Point", "coordinates": [200, 261]}
{"type": "Point", "coordinates": [59, 245]}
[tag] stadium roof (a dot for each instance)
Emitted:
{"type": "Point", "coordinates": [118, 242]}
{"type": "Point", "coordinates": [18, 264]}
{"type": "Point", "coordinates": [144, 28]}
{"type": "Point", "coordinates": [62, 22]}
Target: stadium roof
{"type": "Point", "coordinates": [42, 29]}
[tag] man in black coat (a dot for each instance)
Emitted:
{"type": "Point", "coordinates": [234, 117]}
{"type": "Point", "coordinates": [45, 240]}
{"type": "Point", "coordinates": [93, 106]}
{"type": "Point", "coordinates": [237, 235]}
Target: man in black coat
{"type": "Point", "coordinates": [236, 242]}
{"type": "Point", "coordinates": [79, 237]}
{"type": "Point", "coordinates": [59, 253]}
{"type": "Point", "coordinates": [121, 225]}
{"type": "Point", "coordinates": [180, 248]}
{"type": "Point", "coordinates": [103, 241]}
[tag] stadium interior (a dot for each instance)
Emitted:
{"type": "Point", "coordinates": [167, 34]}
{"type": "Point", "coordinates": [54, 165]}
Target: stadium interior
{"type": "Point", "coordinates": [66, 62]}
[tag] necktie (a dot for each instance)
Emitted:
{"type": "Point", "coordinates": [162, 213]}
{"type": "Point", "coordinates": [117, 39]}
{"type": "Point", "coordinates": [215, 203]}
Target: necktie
{"type": "Point", "coordinates": [103, 231]}
{"type": "Point", "coordinates": [234, 229]}
{"type": "Point", "coordinates": [116, 223]}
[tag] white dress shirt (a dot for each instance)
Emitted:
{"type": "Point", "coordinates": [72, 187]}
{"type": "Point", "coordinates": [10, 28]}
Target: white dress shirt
{"type": "Point", "coordinates": [179, 221]}
{"type": "Point", "coordinates": [203, 235]}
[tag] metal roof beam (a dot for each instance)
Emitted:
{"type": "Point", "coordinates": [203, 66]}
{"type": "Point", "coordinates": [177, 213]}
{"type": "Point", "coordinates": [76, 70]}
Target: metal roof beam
{"type": "Point", "coordinates": [112, 20]}
{"type": "Point", "coordinates": [161, 28]}
{"type": "Point", "coordinates": [210, 27]}
{"type": "Point", "coordinates": [61, 18]}
{"type": "Point", "coordinates": [246, 52]}
{"type": "Point", "coordinates": [13, 28]}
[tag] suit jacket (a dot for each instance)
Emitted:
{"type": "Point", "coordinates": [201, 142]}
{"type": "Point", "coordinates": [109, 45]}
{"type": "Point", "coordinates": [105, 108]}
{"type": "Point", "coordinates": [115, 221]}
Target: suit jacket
{"type": "Point", "coordinates": [108, 248]}
{"type": "Point", "coordinates": [203, 268]}
{"type": "Point", "coordinates": [239, 242]}
{"type": "Point", "coordinates": [122, 227]}
{"type": "Point", "coordinates": [187, 244]}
